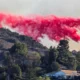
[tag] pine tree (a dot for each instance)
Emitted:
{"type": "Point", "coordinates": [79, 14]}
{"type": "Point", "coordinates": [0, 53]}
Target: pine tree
{"type": "Point", "coordinates": [53, 54]}
{"type": "Point", "coordinates": [63, 49]}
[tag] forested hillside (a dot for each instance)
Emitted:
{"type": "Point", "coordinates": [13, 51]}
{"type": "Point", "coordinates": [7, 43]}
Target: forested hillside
{"type": "Point", "coordinates": [22, 58]}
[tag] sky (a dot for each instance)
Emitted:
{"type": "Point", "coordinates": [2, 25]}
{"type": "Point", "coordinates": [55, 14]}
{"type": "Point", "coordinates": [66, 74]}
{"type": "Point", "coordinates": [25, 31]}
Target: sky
{"type": "Point", "coordinates": [64, 8]}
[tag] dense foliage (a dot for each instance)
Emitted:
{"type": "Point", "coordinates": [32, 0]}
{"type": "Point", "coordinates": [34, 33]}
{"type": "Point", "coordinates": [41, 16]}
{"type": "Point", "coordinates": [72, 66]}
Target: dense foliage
{"type": "Point", "coordinates": [19, 64]}
{"type": "Point", "coordinates": [19, 48]}
{"type": "Point", "coordinates": [24, 62]}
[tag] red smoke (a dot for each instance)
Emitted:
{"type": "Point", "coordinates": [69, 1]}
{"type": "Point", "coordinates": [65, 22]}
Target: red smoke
{"type": "Point", "coordinates": [56, 28]}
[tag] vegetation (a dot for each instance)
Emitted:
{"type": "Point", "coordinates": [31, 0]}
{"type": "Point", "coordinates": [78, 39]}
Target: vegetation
{"type": "Point", "coordinates": [15, 71]}
{"type": "Point", "coordinates": [18, 57]}
{"type": "Point", "coordinates": [19, 49]}
{"type": "Point", "coordinates": [26, 59]}
{"type": "Point", "coordinates": [53, 54]}
{"type": "Point", "coordinates": [45, 78]}
{"type": "Point", "coordinates": [63, 49]}
{"type": "Point", "coordinates": [72, 64]}
{"type": "Point", "coordinates": [78, 67]}
{"type": "Point", "coordinates": [65, 57]}
{"type": "Point", "coordinates": [78, 56]}
{"type": "Point", "coordinates": [55, 66]}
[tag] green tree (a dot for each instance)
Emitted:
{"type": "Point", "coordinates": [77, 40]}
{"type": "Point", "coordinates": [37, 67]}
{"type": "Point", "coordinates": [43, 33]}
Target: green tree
{"type": "Point", "coordinates": [64, 52]}
{"type": "Point", "coordinates": [3, 74]}
{"type": "Point", "coordinates": [78, 61]}
{"type": "Point", "coordinates": [31, 74]}
{"type": "Point", "coordinates": [53, 54]}
{"type": "Point", "coordinates": [36, 59]}
{"type": "Point", "coordinates": [65, 57]}
{"type": "Point", "coordinates": [19, 48]}
{"type": "Point", "coordinates": [8, 59]}
{"type": "Point", "coordinates": [78, 56]}
{"type": "Point", "coordinates": [71, 63]}
{"type": "Point", "coordinates": [2, 69]}
{"type": "Point", "coordinates": [78, 67]}
{"type": "Point", "coordinates": [43, 78]}
{"type": "Point", "coordinates": [15, 71]}
{"type": "Point", "coordinates": [36, 55]}
{"type": "Point", "coordinates": [55, 66]}
{"type": "Point", "coordinates": [40, 78]}
{"type": "Point", "coordinates": [46, 78]}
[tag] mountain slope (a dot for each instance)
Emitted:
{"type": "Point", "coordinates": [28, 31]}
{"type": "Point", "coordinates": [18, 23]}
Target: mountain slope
{"type": "Point", "coordinates": [8, 38]}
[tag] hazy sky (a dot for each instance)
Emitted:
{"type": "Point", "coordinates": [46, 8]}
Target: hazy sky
{"type": "Point", "coordinates": [43, 7]}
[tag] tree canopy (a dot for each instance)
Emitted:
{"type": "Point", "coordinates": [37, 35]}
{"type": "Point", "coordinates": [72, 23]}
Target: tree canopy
{"type": "Point", "coordinates": [19, 48]}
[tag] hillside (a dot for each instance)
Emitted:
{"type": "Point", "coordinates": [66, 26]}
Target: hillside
{"type": "Point", "coordinates": [8, 38]}
{"type": "Point", "coordinates": [22, 58]}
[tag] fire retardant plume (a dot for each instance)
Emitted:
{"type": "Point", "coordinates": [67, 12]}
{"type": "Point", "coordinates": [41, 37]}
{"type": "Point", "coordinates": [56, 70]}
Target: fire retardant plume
{"type": "Point", "coordinates": [56, 28]}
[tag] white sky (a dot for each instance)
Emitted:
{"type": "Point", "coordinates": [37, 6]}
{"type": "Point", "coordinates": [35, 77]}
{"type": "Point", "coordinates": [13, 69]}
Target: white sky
{"type": "Point", "coordinates": [43, 7]}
